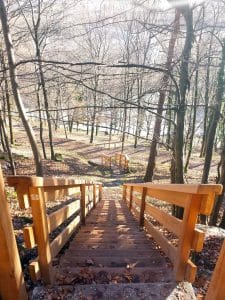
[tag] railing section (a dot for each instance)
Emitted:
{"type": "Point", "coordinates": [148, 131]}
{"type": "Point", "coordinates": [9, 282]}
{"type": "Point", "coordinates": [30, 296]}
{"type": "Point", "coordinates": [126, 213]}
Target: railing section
{"type": "Point", "coordinates": [195, 200]}
{"type": "Point", "coordinates": [120, 160]}
{"type": "Point", "coordinates": [34, 192]}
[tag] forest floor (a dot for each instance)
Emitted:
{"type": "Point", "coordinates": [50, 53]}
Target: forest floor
{"type": "Point", "coordinates": [81, 159]}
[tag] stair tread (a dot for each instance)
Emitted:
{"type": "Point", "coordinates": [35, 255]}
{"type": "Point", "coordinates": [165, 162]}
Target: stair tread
{"type": "Point", "coordinates": [131, 291]}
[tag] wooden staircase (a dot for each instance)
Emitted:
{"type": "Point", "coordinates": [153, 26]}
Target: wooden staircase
{"type": "Point", "coordinates": [117, 250]}
{"type": "Point", "coordinates": [112, 258]}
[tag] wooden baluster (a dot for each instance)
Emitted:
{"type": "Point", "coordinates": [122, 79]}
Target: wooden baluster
{"type": "Point", "coordinates": [94, 195]}
{"type": "Point", "coordinates": [142, 208]}
{"type": "Point", "coordinates": [124, 192]}
{"type": "Point", "coordinates": [131, 197]}
{"type": "Point", "coordinates": [83, 203]}
{"type": "Point", "coordinates": [11, 276]}
{"type": "Point", "coordinates": [41, 233]}
{"type": "Point", "coordinates": [100, 192]}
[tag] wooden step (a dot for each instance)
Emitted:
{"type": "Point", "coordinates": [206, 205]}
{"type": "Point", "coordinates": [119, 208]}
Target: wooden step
{"type": "Point", "coordinates": [131, 291]}
{"type": "Point", "coordinates": [125, 245]}
{"type": "Point", "coordinates": [113, 235]}
{"type": "Point", "coordinates": [73, 252]}
{"type": "Point", "coordinates": [117, 261]}
{"type": "Point", "coordinates": [110, 239]}
{"type": "Point", "coordinates": [94, 275]}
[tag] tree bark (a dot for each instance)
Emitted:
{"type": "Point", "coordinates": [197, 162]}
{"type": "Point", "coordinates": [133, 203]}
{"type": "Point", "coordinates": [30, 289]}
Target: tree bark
{"type": "Point", "coordinates": [15, 89]}
{"type": "Point", "coordinates": [219, 200]}
{"type": "Point", "coordinates": [215, 117]}
{"type": "Point", "coordinates": [183, 86]}
{"type": "Point", "coordinates": [8, 102]}
{"type": "Point", "coordinates": [157, 128]}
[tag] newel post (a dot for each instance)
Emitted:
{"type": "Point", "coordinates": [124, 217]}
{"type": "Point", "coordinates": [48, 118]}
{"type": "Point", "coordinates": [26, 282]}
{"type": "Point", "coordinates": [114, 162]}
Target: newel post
{"type": "Point", "coordinates": [12, 284]}
{"type": "Point", "coordinates": [41, 233]}
{"type": "Point", "coordinates": [142, 208]}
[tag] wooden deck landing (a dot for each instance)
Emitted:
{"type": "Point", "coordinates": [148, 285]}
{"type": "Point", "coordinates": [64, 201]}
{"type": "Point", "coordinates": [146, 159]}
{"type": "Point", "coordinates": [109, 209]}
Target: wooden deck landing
{"type": "Point", "coordinates": [111, 248]}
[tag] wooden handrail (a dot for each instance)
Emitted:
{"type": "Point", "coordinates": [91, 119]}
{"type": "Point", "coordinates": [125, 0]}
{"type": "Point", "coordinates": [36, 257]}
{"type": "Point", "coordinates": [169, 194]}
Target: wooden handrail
{"type": "Point", "coordinates": [182, 188]}
{"type": "Point", "coordinates": [37, 191]}
{"type": "Point", "coordinates": [44, 181]}
{"type": "Point", "coordinates": [194, 198]}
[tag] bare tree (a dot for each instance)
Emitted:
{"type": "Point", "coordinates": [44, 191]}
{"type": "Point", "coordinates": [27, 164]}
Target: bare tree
{"type": "Point", "coordinates": [15, 88]}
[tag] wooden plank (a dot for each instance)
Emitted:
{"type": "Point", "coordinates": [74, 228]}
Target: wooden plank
{"type": "Point", "coordinates": [41, 233]}
{"type": "Point", "coordinates": [29, 236]}
{"type": "Point", "coordinates": [198, 240]}
{"type": "Point", "coordinates": [172, 197]}
{"type": "Point", "coordinates": [34, 270]}
{"type": "Point", "coordinates": [207, 204]}
{"type": "Point", "coordinates": [167, 248]}
{"type": "Point", "coordinates": [137, 189]}
{"type": "Point", "coordinates": [170, 222]}
{"type": "Point", "coordinates": [64, 236]}
{"type": "Point", "coordinates": [56, 218]}
{"type": "Point", "coordinates": [191, 271]}
{"type": "Point", "coordinates": [216, 290]}
{"type": "Point", "coordinates": [183, 188]}
{"type": "Point", "coordinates": [52, 194]}
{"type": "Point", "coordinates": [44, 181]}
{"type": "Point", "coordinates": [12, 284]}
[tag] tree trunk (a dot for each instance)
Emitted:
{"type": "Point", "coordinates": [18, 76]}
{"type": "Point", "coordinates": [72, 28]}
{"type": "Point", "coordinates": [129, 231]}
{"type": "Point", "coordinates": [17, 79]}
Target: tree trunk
{"type": "Point", "coordinates": [8, 146]}
{"type": "Point", "coordinates": [8, 102]}
{"type": "Point", "coordinates": [15, 89]}
{"type": "Point", "coordinates": [45, 96]}
{"type": "Point", "coordinates": [2, 140]}
{"type": "Point", "coordinates": [162, 96]}
{"type": "Point", "coordinates": [192, 129]}
{"type": "Point", "coordinates": [206, 97]}
{"type": "Point", "coordinates": [215, 117]}
{"type": "Point", "coordinates": [219, 200]}
{"type": "Point", "coordinates": [41, 125]}
{"type": "Point", "coordinates": [214, 122]}
{"type": "Point", "coordinates": [183, 86]}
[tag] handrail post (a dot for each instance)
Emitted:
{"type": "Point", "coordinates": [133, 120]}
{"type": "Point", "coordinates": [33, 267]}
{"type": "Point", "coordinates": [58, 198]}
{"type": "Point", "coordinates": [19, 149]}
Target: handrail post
{"type": "Point", "coordinates": [142, 208]}
{"type": "Point", "coordinates": [131, 197]}
{"type": "Point", "coordinates": [41, 233]}
{"type": "Point", "coordinates": [94, 195]}
{"type": "Point", "coordinates": [100, 193]}
{"type": "Point", "coordinates": [191, 212]}
{"type": "Point", "coordinates": [124, 192]}
{"type": "Point", "coordinates": [12, 284]}
{"type": "Point", "coordinates": [83, 203]}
